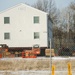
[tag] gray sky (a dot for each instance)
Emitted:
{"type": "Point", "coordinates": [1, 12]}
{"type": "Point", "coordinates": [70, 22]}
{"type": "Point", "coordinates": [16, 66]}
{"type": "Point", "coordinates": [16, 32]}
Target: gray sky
{"type": "Point", "coordinates": [4, 4]}
{"type": "Point", "coordinates": [63, 3]}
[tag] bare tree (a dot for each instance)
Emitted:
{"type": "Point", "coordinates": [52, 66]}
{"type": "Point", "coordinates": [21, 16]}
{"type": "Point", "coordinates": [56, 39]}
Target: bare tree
{"type": "Point", "coordinates": [72, 7]}
{"type": "Point", "coordinates": [47, 6]}
{"type": "Point", "coordinates": [67, 22]}
{"type": "Point", "coordinates": [38, 5]}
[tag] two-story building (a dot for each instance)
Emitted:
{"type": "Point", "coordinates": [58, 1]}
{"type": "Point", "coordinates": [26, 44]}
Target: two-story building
{"type": "Point", "coordinates": [23, 26]}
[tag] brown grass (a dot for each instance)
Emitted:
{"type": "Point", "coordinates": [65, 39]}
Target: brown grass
{"type": "Point", "coordinates": [34, 64]}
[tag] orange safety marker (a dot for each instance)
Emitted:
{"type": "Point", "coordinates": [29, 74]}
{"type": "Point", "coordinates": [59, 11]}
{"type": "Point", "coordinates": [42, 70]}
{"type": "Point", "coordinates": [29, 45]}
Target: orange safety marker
{"type": "Point", "coordinates": [69, 69]}
{"type": "Point", "coordinates": [53, 70]}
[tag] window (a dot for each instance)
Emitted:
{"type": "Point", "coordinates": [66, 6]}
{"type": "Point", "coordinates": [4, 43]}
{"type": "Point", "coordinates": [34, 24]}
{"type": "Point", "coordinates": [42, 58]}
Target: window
{"type": "Point", "coordinates": [36, 19]}
{"type": "Point", "coordinates": [6, 36]}
{"type": "Point", "coordinates": [36, 35]}
{"type": "Point", "coordinates": [6, 20]}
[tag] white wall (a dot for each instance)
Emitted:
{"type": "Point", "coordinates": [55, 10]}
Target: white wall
{"type": "Point", "coordinates": [22, 28]}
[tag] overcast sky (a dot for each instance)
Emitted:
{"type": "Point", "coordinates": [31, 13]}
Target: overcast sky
{"type": "Point", "coordinates": [4, 4]}
{"type": "Point", "coordinates": [63, 3]}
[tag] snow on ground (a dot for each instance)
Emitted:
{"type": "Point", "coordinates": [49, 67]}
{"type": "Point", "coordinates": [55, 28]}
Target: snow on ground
{"type": "Point", "coordinates": [54, 58]}
{"type": "Point", "coordinates": [62, 58]}
{"type": "Point", "coordinates": [35, 73]}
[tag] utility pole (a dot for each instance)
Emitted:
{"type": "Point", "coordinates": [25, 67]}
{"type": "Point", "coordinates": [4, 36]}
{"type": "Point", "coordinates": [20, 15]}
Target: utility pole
{"type": "Point", "coordinates": [50, 58]}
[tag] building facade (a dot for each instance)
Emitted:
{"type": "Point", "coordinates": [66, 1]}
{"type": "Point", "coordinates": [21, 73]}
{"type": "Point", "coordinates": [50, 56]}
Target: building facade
{"type": "Point", "coordinates": [25, 26]}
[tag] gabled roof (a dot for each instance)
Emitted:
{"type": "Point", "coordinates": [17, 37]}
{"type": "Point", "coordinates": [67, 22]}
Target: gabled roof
{"type": "Point", "coordinates": [23, 5]}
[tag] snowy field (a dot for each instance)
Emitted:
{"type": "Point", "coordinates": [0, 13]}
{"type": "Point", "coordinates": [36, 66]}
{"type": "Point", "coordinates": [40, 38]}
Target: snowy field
{"type": "Point", "coordinates": [35, 66]}
{"type": "Point", "coordinates": [34, 73]}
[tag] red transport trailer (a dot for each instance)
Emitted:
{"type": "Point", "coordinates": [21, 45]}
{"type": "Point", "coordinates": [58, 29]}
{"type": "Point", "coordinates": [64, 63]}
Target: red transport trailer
{"type": "Point", "coordinates": [31, 53]}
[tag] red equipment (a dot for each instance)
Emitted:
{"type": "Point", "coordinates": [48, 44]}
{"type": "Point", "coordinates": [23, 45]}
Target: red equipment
{"type": "Point", "coordinates": [31, 53]}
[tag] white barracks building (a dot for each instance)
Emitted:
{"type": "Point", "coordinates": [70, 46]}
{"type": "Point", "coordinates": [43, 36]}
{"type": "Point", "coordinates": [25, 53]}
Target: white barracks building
{"type": "Point", "coordinates": [25, 26]}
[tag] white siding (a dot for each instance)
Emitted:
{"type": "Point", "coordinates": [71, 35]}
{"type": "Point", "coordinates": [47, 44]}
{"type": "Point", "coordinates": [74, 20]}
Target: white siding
{"type": "Point", "coordinates": [22, 27]}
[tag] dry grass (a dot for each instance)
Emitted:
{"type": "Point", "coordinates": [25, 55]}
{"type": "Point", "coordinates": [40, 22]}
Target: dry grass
{"type": "Point", "coordinates": [34, 64]}
{"type": "Point", "coordinates": [22, 64]}
{"type": "Point", "coordinates": [62, 65]}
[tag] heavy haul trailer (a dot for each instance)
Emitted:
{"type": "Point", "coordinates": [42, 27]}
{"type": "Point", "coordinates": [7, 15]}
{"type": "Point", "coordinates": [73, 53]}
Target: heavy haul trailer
{"type": "Point", "coordinates": [20, 49]}
{"type": "Point", "coordinates": [6, 51]}
{"type": "Point", "coordinates": [31, 53]}
{"type": "Point", "coordinates": [28, 54]}
{"type": "Point", "coordinates": [40, 51]}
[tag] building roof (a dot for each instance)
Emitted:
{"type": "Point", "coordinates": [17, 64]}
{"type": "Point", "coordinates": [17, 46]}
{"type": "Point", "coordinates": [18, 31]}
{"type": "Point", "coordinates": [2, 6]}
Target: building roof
{"type": "Point", "coordinates": [23, 5]}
